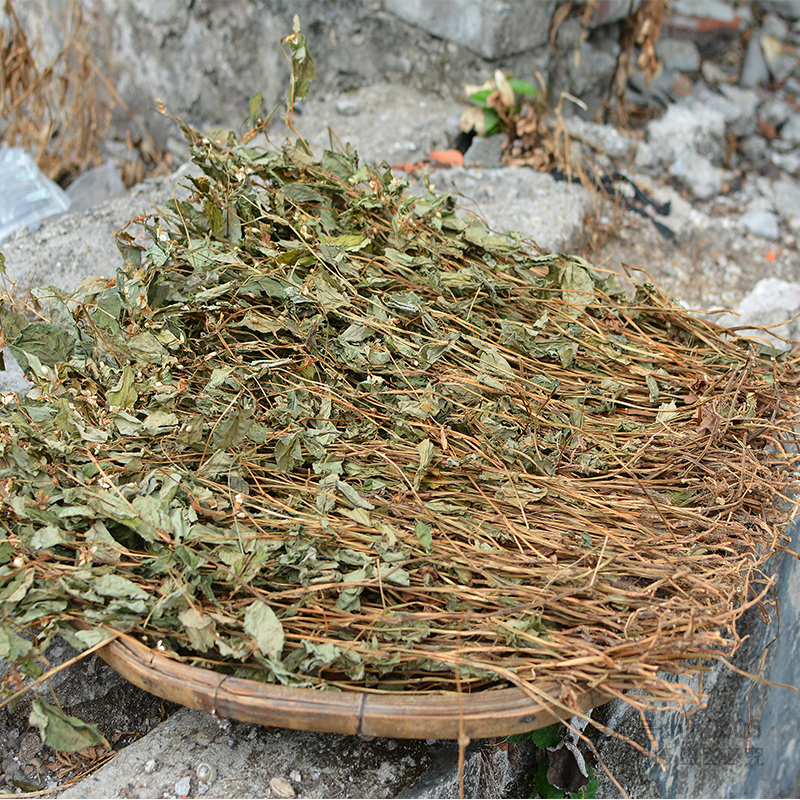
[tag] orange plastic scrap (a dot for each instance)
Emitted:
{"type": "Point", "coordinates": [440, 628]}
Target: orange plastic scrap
{"type": "Point", "coordinates": [447, 158]}
{"type": "Point", "coordinates": [408, 167]}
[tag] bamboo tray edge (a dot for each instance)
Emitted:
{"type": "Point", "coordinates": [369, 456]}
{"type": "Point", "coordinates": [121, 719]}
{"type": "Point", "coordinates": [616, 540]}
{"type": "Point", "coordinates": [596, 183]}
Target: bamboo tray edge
{"type": "Point", "coordinates": [486, 714]}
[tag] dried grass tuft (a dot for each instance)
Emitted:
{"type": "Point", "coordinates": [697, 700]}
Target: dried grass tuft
{"type": "Point", "coordinates": [59, 111]}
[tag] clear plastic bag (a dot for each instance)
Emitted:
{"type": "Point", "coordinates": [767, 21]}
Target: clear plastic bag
{"type": "Point", "coordinates": [27, 196]}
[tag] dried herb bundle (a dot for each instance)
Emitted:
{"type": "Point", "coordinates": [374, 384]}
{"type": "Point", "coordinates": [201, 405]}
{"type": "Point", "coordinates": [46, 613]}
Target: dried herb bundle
{"type": "Point", "coordinates": [322, 433]}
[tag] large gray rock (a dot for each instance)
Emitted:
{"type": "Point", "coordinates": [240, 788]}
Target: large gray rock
{"type": "Point", "coordinates": [678, 54]}
{"type": "Point", "coordinates": [520, 199]}
{"type": "Point", "coordinates": [689, 125]}
{"type": "Point", "coordinates": [697, 174]}
{"type": "Point", "coordinates": [393, 123]}
{"type": "Point", "coordinates": [772, 302]}
{"type": "Point", "coordinates": [491, 28]}
{"type": "Point", "coordinates": [206, 59]}
{"type": "Point", "coordinates": [485, 151]}
{"type": "Point", "coordinates": [760, 222]}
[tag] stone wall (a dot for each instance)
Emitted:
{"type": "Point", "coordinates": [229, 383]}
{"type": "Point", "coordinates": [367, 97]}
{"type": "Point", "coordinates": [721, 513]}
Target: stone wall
{"type": "Point", "coordinates": [206, 58]}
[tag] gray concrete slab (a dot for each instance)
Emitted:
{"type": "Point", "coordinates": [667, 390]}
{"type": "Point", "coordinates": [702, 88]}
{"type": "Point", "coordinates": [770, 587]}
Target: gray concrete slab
{"type": "Point", "coordinates": [193, 754]}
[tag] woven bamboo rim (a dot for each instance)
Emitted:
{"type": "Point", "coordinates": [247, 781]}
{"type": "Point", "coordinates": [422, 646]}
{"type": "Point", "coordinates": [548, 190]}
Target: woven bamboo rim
{"type": "Point", "coordinates": [486, 714]}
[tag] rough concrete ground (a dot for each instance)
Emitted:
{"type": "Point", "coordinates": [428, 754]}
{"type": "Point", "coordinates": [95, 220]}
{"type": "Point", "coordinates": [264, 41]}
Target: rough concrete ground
{"type": "Point", "coordinates": [192, 754]}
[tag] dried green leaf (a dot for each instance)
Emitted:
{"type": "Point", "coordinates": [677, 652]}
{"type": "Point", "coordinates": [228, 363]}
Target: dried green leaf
{"type": "Point", "coordinates": [652, 387]}
{"type": "Point", "coordinates": [577, 286]}
{"type": "Point", "coordinates": [426, 451]}
{"type": "Point", "coordinates": [220, 464]}
{"type": "Point", "coordinates": [159, 422]}
{"type": "Point", "coordinates": [261, 623]}
{"type": "Point", "coordinates": [424, 534]}
{"type": "Point", "coordinates": [123, 395]}
{"type": "Point", "coordinates": [352, 496]}
{"type": "Point", "coordinates": [199, 628]}
{"type": "Point", "coordinates": [12, 323]}
{"type": "Point", "coordinates": [41, 538]}
{"type": "Point", "coordinates": [42, 343]}
{"type": "Point", "coordinates": [520, 495]}
{"type": "Point", "coordinates": [667, 412]}
{"type": "Point", "coordinates": [233, 428]}
{"type": "Point", "coordinates": [326, 494]}
{"type": "Point", "coordinates": [110, 585]}
{"type": "Point", "coordinates": [256, 101]}
{"type": "Point", "coordinates": [288, 453]}
{"type": "Point", "coordinates": [62, 732]}
{"type": "Point", "coordinates": [13, 648]}
{"type": "Point", "coordinates": [303, 68]}
{"type": "Point", "coordinates": [494, 361]}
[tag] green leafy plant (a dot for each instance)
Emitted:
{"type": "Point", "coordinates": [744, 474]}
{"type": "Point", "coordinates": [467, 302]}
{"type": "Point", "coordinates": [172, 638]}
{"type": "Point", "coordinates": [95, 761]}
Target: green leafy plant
{"type": "Point", "coordinates": [544, 738]}
{"type": "Point", "coordinates": [542, 787]}
{"type": "Point", "coordinates": [496, 103]}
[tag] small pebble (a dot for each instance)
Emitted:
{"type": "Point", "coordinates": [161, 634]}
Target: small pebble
{"type": "Point", "coordinates": [761, 222]}
{"type": "Point", "coordinates": [713, 73]}
{"type": "Point", "coordinates": [280, 787]}
{"type": "Point", "coordinates": [150, 767]}
{"type": "Point", "coordinates": [773, 25]}
{"type": "Point", "coordinates": [295, 776]}
{"type": "Point", "coordinates": [347, 108]}
{"type": "Point", "coordinates": [183, 786]}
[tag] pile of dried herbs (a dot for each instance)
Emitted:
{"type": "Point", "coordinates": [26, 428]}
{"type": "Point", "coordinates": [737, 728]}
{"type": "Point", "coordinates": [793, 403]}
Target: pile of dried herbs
{"type": "Point", "coordinates": [322, 433]}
